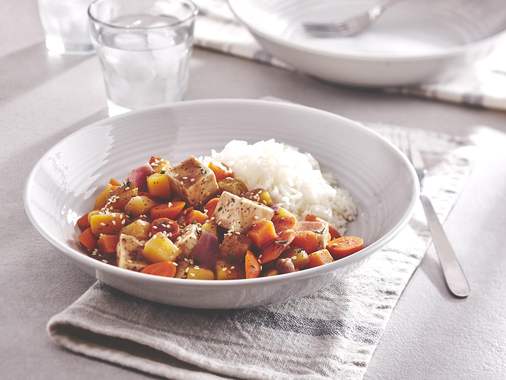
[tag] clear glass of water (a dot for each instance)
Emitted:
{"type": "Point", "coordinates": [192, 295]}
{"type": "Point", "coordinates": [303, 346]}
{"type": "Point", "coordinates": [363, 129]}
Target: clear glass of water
{"type": "Point", "coordinates": [66, 26]}
{"type": "Point", "coordinates": [144, 47]}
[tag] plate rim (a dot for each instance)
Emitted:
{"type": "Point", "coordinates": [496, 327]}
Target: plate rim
{"type": "Point", "coordinates": [84, 259]}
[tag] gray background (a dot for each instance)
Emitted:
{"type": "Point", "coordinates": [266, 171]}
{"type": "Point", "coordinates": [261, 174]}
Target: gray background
{"type": "Point", "coordinates": [42, 99]}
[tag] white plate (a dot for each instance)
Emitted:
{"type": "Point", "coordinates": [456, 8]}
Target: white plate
{"type": "Point", "coordinates": [412, 42]}
{"type": "Point", "coordinates": [63, 184]}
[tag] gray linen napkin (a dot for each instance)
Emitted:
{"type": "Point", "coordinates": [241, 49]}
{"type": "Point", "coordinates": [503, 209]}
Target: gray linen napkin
{"type": "Point", "coordinates": [331, 334]}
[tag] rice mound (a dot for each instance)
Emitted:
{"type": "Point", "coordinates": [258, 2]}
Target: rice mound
{"type": "Point", "coordinates": [293, 179]}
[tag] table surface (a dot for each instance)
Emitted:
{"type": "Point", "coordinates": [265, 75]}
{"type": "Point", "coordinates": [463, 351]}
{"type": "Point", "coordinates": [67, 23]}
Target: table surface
{"type": "Point", "coordinates": [42, 99]}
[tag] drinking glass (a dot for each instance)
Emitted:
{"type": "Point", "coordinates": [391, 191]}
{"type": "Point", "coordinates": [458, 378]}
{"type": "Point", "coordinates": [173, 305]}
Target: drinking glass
{"type": "Point", "coordinates": [66, 26]}
{"type": "Point", "coordinates": [144, 47]}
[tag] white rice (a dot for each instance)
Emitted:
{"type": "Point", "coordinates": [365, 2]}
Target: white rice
{"type": "Point", "coordinates": [293, 179]}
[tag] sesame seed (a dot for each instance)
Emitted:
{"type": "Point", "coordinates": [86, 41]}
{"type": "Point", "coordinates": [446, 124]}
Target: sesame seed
{"type": "Point", "coordinates": [114, 222]}
{"type": "Point", "coordinates": [192, 274]}
{"type": "Point", "coordinates": [102, 224]}
{"type": "Point", "coordinates": [232, 267]}
{"type": "Point", "coordinates": [197, 267]}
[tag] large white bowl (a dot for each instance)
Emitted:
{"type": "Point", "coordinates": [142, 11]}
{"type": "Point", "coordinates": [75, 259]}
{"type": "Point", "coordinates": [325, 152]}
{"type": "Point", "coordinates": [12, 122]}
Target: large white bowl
{"type": "Point", "coordinates": [413, 42]}
{"type": "Point", "coordinates": [63, 184]}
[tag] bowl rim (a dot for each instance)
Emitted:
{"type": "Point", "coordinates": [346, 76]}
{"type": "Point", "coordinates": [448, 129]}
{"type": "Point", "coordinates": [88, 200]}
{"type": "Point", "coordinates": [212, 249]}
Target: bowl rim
{"type": "Point", "coordinates": [97, 265]}
{"type": "Point", "coordinates": [235, 7]}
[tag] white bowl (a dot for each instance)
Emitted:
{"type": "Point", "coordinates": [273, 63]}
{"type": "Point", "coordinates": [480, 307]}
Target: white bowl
{"type": "Point", "coordinates": [413, 42]}
{"type": "Point", "coordinates": [63, 184]}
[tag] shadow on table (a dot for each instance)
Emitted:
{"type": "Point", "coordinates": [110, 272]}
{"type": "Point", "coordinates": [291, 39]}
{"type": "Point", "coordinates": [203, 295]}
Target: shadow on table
{"type": "Point", "coordinates": [28, 68]}
{"type": "Point", "coordinates": [20, 164]}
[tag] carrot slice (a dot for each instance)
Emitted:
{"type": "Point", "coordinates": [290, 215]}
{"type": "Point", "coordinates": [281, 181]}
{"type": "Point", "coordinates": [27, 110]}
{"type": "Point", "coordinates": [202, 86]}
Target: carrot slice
{"type": "Point", "coordinates": [252, 267]}
{"type": "Point", "coordinates": [163, 268]}
{"type": "Point", "coordinates": [319, 258]}
{"type": "Point", "coordinates": [107, 243]}
{"type": "Point", "coordinates": [88, 240]}
{"type": "Point", "coordinates": [169, 210]}
{"type": "Point", "coordinates": [309, 241]}
{"type": "Point", "coordinates": [211, 206]}
{"type": "Point", "coordinates": [345, 246]}
{"type": "Point", "coordinates": [262, 233]}
{"type": "Point", "coordinates": [83, 222]}
{"type": "Point", "coordinates": [221, 171]}
{"type": "Point", "coordinates": [274, 250]}
{"type": "Point", "coordinates": [114, 182]}
{"type": "Point", "coordinates": [195, 216]}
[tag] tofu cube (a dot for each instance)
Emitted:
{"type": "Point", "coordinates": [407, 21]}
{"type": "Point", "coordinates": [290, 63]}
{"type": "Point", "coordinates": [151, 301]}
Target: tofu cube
{"type": "Point", "coordinates": [193, 181]}
{"type": "Point", "coordinates": [188, 239]}
{"type": "Point", "coordinates": [129, 253]}
{"type": "Point", "coordinates": [237, 213]}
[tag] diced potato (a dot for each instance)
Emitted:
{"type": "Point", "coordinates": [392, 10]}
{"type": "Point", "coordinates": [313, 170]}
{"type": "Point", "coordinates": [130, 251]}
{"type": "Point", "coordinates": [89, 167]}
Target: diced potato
{"type": "Point", "coordinates": [91, 213]}
{"type": "Point", "coordinates": [233, 185]}
{"type": "Point", "coordinates": [120, 197]}
{"type": "Point", "coordinates": [197, 273]}
{"type": "Point", "coordinates": [139, 205]}
{"type": "Point", "coordinates": [138, 229]}
{"type": "Point", "coordinates": [160, 248]}
{"type": "Point", "coordinates": [195, 216]}
{"type": "Point", "coordinates": [159, 185]}
{"type": "Point", "coordinates": [109, 224]}
{"type": "Point", "coordinates": [227, 271]}
{"type": "Point", "coordinates": [299, 257]}
{"type": "Point", "coordinates": [101, 199]}
{"type": "Point", "coordinates": [211, 227]}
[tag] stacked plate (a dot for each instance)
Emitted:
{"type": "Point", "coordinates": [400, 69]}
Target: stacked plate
{"type": "Point", "coordinates": [412, 42]}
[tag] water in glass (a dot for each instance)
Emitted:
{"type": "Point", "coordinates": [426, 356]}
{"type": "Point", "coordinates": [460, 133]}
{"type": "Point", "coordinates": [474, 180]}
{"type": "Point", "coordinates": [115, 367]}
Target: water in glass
{"type": "Point", "coordinates": [143, 62]}
{"type": "Point", "coordinates": [66, 26]}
